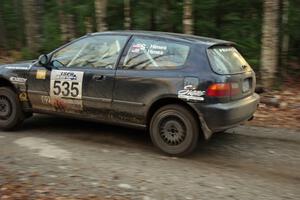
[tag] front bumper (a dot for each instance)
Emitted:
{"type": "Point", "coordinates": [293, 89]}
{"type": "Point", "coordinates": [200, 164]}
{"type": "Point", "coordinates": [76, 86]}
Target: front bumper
{"type": "Point", "coordinates": [222, 116]}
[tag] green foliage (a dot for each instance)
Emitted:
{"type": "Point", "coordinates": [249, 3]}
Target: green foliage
{"type": "Point", "coordinates": [13, 23]}
{"type": "Point", "coordinates": [157, 15]}
{"type": "Point", "coordinates": [26, 55]}
{"type": "Point", "coordinates": [50, 26]}
{"type": "Point", "coordinates": [115, 14]}
{"type": "Point", "coordinates": [237, 21]}
{"type": "Point", "coordinates": [82, 10]}
{"type": "Point", "coordinates": [294, 29]}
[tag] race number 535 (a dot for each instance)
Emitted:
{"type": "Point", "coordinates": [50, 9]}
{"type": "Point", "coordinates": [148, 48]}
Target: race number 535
{"type": "Point", "coordinates": [66, 84]}
{"type": "Point", "coordinates": [66, 89]}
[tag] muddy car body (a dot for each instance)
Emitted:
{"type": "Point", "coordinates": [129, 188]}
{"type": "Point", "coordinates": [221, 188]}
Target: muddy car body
{"type": "Point", "coordinates": [178, 86]}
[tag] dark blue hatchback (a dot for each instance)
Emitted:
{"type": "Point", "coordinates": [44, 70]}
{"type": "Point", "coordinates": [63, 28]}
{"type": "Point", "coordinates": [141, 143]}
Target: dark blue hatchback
{"type": "Point", "coordinates": [179, 87]}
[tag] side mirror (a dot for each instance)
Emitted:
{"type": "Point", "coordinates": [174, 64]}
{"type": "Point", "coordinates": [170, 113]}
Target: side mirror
{"type": "Point", "coordinates": [43, 60]}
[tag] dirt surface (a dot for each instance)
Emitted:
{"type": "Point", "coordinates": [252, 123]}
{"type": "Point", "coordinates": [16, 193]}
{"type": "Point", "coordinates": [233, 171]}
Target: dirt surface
{"type": "Point", "coordinates": [279, 109]}
{"type": "Point", "coordinates": [55, 158]}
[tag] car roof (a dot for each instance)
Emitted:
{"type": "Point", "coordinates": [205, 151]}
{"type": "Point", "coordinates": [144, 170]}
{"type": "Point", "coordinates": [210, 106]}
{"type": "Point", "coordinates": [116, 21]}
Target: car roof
{"type": "Point", "coordinates": [205, 41]}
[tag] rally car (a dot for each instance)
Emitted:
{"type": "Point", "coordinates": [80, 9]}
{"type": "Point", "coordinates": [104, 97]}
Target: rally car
{"type": "Point", "coordinates": [178, 87]}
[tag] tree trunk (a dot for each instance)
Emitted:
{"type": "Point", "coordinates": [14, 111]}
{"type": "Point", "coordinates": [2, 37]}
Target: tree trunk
{"type": "Point", "coordinates": [88, 25]}
{"type": "Point", "coordinates": [70, 18]}
{"type": "Point", "coordinates": [100, 9]}
{"type": "Point", "coordinates": [285, 35]}
{"type": "Point", "coordinates": [127, 18]}
{"type": "Point", "coordinates": [188, 17]}
{"type": "Point", "coordinates": [66, 20]}
{"type": "Point", "coordinates": [270, 38]}
{"type": "Point", "coordinates": [32, 28]}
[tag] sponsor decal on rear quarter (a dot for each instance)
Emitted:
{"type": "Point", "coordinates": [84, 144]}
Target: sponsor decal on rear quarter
{"type": "Point", "coordinates": [189, 93]}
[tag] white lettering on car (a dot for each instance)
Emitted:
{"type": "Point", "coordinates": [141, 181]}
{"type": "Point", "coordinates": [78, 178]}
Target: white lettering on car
{"type": "Point", "coordinates": [15, 67]}
{"type": "Point", "coordinates": [17, 79]}
{"type": "Point", "coordinates": [189, 93]}
{"type": "Point", "coordinates": [157, 49]}
{"type": "Point", "coordinates": [227, 49]}
{"type": "Point", "coordinates": [153, 49]}
{"type": "Point", "coordinates": [46, 100]}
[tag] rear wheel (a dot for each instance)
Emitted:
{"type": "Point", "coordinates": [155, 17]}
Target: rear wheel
{"type": "Point", "coordinates": [11, 114]}
{"type": "Point", "coordinates": [174, 130]}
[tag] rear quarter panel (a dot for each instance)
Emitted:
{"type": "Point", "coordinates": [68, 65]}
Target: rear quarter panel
{"type": "Point", "coordinates": [136, 90]}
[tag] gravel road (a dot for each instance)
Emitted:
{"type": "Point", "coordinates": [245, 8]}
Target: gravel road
{"type": "Point", "coordinates": [72, 159]}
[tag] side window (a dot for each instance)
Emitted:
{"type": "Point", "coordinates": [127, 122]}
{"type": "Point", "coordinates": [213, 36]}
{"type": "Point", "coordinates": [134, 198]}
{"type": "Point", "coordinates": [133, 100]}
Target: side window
{"type": "Point", "coordinates": [91, 52]}
{"type": "Point", "coordinates": [152, 54]}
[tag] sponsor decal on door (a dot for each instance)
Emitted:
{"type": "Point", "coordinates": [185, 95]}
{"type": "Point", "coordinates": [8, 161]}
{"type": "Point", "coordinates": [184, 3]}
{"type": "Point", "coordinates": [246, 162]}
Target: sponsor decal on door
{"type": "Point", "coordinates": [66, 90]}
{"type": "Point", "coordinates": [41, 74]}
{"type": "Point", "coordinates": [66, 84]}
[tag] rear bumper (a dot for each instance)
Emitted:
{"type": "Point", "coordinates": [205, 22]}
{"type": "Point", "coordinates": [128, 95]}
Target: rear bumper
{"type": "Point", "coordinates": [221, 116]}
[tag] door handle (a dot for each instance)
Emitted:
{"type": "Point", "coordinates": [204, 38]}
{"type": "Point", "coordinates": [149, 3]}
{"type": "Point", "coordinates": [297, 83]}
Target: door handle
{"type": "Point", "coordinates": [99, 77]}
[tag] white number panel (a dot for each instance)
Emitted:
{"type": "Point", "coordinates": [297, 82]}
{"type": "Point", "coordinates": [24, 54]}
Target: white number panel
{"type": "Point", "coordinates": [66, 84]}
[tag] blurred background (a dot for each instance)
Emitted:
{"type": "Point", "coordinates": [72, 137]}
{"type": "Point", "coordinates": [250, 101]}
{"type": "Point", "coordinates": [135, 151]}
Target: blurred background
{"type": "Point", "coordinates": [267, 32]}
{"type": "Point", "coordinates": [31, 27]}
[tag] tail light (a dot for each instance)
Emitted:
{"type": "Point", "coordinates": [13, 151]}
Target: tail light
{"type": "Point", "coordinates": [223, 90]}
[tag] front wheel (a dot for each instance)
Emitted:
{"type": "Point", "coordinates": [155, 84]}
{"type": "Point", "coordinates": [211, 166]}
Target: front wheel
{"type": "Point", "coordinates": [174, 130]}
{"type": "Point", "coordinates": [11, 114]}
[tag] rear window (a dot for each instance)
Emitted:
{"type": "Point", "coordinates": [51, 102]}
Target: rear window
{"type": "Point", "coordinates": [227, 60]}
{"type": "Point", "coordinates": [155, 54]}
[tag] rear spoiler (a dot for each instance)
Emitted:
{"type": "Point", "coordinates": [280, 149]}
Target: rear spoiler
{"type": "Point", "coordinates": [223, 43]}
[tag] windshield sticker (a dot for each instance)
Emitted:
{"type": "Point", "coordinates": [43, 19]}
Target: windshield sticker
{"type": "Point", "coordinates": [189, 93]}
{"type": "Point", "coordinates": [136, 48]}
{"type": "Point", "coordinates": [153, 49]}
{"type": "Point", "coordinates": [157, 49]}
{"type": "Point", "coordinates": [41, 74]}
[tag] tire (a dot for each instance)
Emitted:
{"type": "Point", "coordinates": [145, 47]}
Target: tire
{"type": "Point", "coordinates": [28, 115]}
{"type": "Point", "coordinates": [174, 130]}
{"type": "Point", "coordinates": [11, 114]}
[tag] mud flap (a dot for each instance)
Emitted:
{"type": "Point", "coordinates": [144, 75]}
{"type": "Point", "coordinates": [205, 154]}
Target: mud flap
{"type": "Point", "coordinates": [206, 131]}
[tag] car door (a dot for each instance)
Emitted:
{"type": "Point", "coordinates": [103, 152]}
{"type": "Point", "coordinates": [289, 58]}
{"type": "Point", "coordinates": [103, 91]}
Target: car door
{"type": "Point", "coordinates": [149, 69]}
{"type": "Point", "coordinates": [38, 88]}
{"type": "Point", "coordinates": [82, 77]}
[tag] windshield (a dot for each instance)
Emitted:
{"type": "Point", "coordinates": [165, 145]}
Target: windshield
{"type": "Point", "coordinates": [227, 60]}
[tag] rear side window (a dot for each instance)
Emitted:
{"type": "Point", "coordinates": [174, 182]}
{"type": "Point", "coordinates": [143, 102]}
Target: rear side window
{"type": "Point", "coordinates": [153, 54]}
{"type": "Point", "coordinates": [227, 60]}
